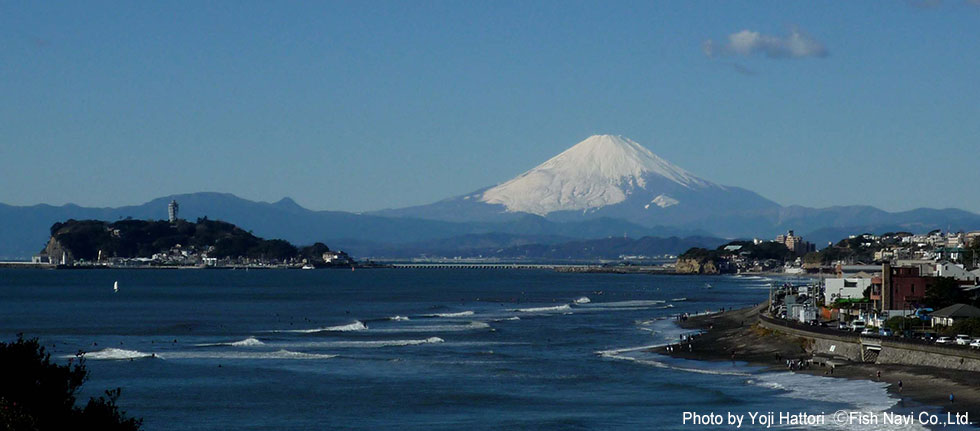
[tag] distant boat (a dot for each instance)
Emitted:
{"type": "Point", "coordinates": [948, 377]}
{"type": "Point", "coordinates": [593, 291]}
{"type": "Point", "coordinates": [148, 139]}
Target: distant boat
{"type": "Point", "coordinates": [115, 287]}
{"type": "Point", "coordinates": [708, 285]}
{"type": "Point", "coordinates": [308, 266]}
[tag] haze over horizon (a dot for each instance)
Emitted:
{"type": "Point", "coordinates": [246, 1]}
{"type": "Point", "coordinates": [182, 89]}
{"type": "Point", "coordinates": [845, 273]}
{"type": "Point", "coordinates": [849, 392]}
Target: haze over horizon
{"type": "Point", "coordinates": [359, 107]}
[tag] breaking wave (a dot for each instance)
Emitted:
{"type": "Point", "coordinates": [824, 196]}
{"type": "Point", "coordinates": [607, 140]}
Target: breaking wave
{"type": "Point", "coordinates": [116, 354]}
{"type": "Point", "coordinates": [357, 325]}
{"type": "Point", "coordinates": [248, 342]}
{"type": "Point", "coordinates": [398, 318]}
{"type": "Point", "coordinates": [458, 314]}
{"type": "Point", "coordinates": [280, 354]}
{"type": "Point", "coordinates": [631, 304]}
{"type": "Point", "coordinates": [583, 300]}
{"type": "Point", "coordinates": [369, 344]}
{"type": "Point", "coordinates": [648, 360]}
{"type": "Point", "coordinates": [564, 307]}
{"type": "Point", "coordinates": [435, 328]}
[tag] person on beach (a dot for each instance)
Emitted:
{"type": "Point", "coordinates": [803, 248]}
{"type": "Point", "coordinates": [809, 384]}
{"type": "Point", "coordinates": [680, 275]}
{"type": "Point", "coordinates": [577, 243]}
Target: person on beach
{"type": "Point", "coordinates": [900, 386]}
{"type": "Point", "coordinates": [951, 398]}
{"type": "Point", "coordinates": [879, 374]}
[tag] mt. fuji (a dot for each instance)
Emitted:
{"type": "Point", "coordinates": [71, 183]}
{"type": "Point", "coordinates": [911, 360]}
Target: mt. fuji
{"type": "Point", "coordinates": [606, 176]}
{"type": "Point", "coordinates": [600, 171]}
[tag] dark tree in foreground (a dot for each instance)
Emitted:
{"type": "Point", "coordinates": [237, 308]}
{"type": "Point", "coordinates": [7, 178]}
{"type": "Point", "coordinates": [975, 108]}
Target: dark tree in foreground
{"type": "Point", "coordinates": [944, 292]}
{"type": "Point", "coordinates": [37, 394]}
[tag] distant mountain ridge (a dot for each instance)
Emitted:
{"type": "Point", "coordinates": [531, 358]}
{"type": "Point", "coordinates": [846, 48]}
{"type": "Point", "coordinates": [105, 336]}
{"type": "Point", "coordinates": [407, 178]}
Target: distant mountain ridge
{"type": "Point", "coordinates": [603, 176]}
{"type": "Point", "coordinates": [605, 186]}
{"type": "Point", "coordinates": [24, 229]}
{"type": "Point", "coordinates": [613, 177]}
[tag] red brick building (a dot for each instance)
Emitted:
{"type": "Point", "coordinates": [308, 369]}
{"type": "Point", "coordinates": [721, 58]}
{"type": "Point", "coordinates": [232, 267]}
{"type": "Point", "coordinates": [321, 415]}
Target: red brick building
{"type": "Point", "coordinates": [899, 288]}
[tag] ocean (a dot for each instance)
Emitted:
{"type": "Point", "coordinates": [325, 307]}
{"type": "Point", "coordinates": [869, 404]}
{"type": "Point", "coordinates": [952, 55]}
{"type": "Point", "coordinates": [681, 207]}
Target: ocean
{"type": "Point", "coordinates": [442, 349]}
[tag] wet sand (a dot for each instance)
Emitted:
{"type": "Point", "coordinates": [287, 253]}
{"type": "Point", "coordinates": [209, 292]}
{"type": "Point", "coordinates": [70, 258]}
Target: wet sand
{"type": "Point", "coordinates": [738, 332]}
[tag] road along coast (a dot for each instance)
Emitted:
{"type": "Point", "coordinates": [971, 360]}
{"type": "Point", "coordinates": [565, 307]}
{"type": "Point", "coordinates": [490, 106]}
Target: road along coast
{"type": "Point", "coordinates": [741, 335]}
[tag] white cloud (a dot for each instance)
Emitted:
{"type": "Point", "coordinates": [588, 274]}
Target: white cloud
{"type": "Point", "coordinates": [746, 42]}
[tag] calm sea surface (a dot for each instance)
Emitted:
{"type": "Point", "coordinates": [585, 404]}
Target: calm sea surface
{"type": "Point", "coordinates": [405, 349]}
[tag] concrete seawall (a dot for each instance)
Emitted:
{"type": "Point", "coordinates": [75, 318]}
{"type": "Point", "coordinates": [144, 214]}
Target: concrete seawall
{"type": "Point", "coordinates": [877, 350]}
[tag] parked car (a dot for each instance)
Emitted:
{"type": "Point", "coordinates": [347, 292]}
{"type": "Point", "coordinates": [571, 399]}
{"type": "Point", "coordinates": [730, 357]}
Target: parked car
{"type": "Point", "coordinates": [962, 340]}
{"type": "Point", "coordinates": [868, 331]}
{"type": "Point", "coordinates": [944, 340]}
{"type": "Point", "coordinates": [843, 326]}
{"type": "Point", "coordinates": [857, 325]}
{"type": "Point", "coordinates": [975, 343]}
{"type": "Point", "coordinates": [885, 332]}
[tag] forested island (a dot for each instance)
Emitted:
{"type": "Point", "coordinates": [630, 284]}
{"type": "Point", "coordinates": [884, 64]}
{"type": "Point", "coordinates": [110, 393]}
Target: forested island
{"type": "Point", "coordinates": [203, 242]}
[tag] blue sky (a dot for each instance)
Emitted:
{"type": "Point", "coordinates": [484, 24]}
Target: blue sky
{"type": "Point", "coordinates": [368, 105]}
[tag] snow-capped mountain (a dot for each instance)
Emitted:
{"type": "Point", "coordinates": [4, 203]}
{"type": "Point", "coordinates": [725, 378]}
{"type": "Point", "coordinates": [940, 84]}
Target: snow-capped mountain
{"type": "Point", "coordinates": [600, 171]}
{"type": "Point", "coordinates": [604, 176]}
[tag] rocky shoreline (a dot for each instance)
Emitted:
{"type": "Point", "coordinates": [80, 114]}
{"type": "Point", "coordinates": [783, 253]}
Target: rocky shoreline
{"type": "Point", "coordinates": [737, 335]}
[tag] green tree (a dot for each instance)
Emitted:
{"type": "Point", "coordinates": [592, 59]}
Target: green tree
{"type": "Point", "coordinates": [969, 326]}
{"type": "Point", "coordinates": [944, 292]}
{"type": "Point", "coordinates": [37, 394]}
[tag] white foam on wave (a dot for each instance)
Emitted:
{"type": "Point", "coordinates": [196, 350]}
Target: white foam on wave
{"type": "Point", "coordinates": [112, 353]}
{"type": "Point", "coordinates": [503, 319]}
{"type": "Point", "coordinates": [666, 330]}
{"type": "Point", "coordinates": [650, 359]}
{"type": "Point", "coordinates": [248, 342]}
{"type": "Point", "coordinates": [583, 300]}
{"type": "Point", "coordinates": [862, 395]}
{"type": "Point", "coordinates": [678, 299]}
{"type": "Point", "coordinates": [398, 318]}
{"type": "Point", "coordinates": [367, 344]}
{"type": "Point", "coordinates": [457, 314]}
{"type": "Point", "coordinates": [357, 325]}
{"type": "Point", "coordinates": [279, 354]}
{"type": "Point", "coordinates": [625, 304]}
{"type": "Point", "coordinates": [435, 328]}
{"type": "Point", "coordinates": [564, 307]}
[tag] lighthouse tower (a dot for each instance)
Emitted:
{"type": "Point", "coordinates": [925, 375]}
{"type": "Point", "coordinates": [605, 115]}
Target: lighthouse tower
{"type": "Point", "coordinates": [172, 210]}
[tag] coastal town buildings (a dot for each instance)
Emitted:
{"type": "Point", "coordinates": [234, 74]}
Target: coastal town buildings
{"type": "Point", "coordinates": [900, 288]}
{"type": "Point", "coordinates": [950, 315]}
{"type": "Point", "coordinates": [837, 289]}
{"type": "Point", "coordinates": [796, 244]}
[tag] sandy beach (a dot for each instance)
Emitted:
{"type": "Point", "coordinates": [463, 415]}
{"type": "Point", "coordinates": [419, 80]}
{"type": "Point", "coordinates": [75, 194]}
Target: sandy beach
{"type": "Point", "coordinates": [736, 334]}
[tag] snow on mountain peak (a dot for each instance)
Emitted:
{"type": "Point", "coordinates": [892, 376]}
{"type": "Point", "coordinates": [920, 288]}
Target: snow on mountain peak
{"type": "Point", "coordinates": [601, 170]}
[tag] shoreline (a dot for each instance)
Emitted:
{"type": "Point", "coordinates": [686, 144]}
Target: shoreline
{"type": "Point", "coordinates": [738, 331]}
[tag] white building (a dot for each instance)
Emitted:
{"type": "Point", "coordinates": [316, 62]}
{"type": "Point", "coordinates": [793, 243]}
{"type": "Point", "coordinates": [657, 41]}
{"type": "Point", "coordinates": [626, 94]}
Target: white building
{"type": "Point", "coordinates": [844, 288]}
{"type": "Point", "coordinates": [946, 269]}
{"type": "Point", "coordinates": [172, 210]}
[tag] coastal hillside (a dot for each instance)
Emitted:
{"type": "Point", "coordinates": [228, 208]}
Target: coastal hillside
{"type": "Point", "coordinates": [94, 240]}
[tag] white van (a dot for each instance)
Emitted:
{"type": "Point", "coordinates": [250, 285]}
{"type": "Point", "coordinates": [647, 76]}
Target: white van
{"type": "Point", "coordinates": [858, 325]}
